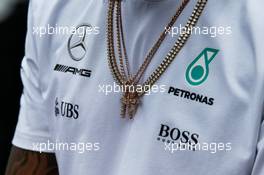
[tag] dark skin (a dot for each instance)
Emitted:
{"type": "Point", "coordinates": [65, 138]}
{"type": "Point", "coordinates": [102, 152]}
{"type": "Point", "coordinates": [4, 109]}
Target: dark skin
{"type": "Point", "coordinates": [24, 162]}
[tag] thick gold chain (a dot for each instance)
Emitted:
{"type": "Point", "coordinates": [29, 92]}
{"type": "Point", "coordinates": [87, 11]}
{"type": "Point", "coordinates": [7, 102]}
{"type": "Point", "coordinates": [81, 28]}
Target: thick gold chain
{"type": "Point", "coordinates": [122, 76]}
{"type": "Point", "coordinates": [153, 50]}
{"type": "Point", "coordinates": [192, 21]}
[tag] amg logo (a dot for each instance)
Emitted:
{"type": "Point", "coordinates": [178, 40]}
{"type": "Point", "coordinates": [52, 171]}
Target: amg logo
{"type": "Point", "coordinates": [73, 70]}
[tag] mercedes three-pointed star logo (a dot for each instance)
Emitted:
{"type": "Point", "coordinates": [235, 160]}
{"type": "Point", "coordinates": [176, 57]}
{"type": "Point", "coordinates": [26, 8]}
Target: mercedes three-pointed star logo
{"type": "Point", "coordinates": [77, 47]}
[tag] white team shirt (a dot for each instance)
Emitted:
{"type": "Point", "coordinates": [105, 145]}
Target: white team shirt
{"type": "Point", "coordinates": [63, 104]}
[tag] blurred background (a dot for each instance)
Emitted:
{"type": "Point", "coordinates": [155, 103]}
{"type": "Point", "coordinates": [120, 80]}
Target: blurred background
{"type": "Point", "coordinates": [13, 20]}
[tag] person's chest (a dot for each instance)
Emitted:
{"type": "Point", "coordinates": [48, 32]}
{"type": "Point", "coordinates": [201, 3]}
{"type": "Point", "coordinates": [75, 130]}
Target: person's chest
{"type": "Point", "coordinates": [207, 95]}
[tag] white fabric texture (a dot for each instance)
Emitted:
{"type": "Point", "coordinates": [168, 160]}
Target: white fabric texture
{"type": "Point", "coordinates": [235, 82]}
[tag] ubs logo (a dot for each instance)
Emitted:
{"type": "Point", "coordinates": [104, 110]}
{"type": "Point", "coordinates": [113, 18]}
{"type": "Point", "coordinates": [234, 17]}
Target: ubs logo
{"type": "Point", "coordinates": [66, 109]}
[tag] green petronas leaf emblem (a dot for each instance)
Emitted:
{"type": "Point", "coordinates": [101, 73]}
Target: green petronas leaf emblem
{"type": "Point", "coordinates": [198, 71]}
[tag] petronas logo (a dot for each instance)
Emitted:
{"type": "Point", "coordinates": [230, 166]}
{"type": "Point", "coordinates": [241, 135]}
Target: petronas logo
{"type": "Point", "coordinates": [198, 71]}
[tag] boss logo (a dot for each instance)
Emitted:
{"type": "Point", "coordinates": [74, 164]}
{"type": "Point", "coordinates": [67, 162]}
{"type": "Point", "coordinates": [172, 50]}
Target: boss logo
{"type": "Point", "coordinates": [66, 109]}
{"type": "Point", "coordinates": [175, 135]}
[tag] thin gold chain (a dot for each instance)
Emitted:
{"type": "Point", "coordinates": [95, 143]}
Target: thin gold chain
{"type": "Point", "coordinates": [170, 56]}
{"type": "Point", "coordinates": [135, 79]}
{"type": "Point", "coordinates": [177, 46]}
{"type": "Point", "coordinates": [118, 20]}
{"type": "Point", "coordinates": [122, 75]}
{"type": "Point", "coordinates": [110, 45]}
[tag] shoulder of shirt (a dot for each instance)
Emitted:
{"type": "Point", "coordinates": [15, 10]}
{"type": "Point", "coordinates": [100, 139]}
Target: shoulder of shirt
{"type": "Point", "coordinates": [41, 5]}
{"type": "Point", "coordinates": [44, 12]}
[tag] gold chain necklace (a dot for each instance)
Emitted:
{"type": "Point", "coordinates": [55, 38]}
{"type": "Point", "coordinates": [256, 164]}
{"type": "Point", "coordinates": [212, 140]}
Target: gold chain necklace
{"type": "Point", "coordinates": [122, 75]}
